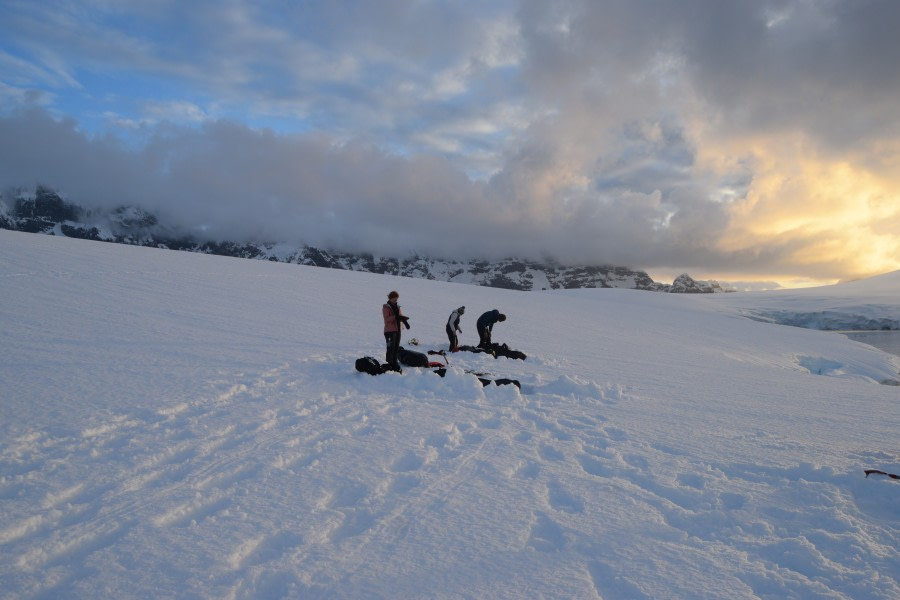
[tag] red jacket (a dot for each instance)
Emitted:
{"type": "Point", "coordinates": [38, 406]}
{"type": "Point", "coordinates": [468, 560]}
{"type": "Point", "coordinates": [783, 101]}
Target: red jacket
{"type": "Point", "coordinates": [390, 319]}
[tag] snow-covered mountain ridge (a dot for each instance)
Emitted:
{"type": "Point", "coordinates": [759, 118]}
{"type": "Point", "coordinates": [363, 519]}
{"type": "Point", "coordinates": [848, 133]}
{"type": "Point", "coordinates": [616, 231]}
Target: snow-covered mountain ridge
{"type": "Point", "coordinates": [46, 212]}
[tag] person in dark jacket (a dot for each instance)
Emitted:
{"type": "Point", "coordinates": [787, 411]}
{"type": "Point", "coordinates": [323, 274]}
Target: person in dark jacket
{"type": "Point", "coordinates": [393, 317]}
{"type": "Point", "coordinates": [453, 328]}
{"type": "Point", "coordinates": [485, 325]}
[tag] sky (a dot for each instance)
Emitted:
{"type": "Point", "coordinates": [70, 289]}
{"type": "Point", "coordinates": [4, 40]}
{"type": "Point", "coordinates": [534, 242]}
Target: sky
{"type": "Point", "coordinates": [739, 141]}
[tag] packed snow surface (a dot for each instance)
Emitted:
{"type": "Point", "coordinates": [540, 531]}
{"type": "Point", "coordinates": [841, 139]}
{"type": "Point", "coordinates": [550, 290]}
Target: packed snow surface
{"type": "Point", "coordinates": [175, 425]}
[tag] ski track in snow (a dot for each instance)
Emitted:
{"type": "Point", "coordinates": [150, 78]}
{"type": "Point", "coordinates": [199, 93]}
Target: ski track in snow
{"type": "Point", "coordinates": [213, 463]}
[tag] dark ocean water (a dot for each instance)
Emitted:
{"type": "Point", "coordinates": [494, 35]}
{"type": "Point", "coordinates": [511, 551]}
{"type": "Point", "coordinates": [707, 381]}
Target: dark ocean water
{"type": "Point", "coordinates": [889, 341]}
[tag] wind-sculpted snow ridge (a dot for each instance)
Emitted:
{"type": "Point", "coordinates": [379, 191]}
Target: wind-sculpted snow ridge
{"type": "Point", "coordinates": [184, 425]}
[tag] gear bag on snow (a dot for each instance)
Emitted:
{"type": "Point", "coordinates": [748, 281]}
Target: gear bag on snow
{"type": "Point", "coordinates": [369, 365]}
{"type": "Point", "coordinates": [497, 350]}
{"type": "Point", "coordinates": [503, 350]}
{"type": "Point", "coordinates": [411, 358]}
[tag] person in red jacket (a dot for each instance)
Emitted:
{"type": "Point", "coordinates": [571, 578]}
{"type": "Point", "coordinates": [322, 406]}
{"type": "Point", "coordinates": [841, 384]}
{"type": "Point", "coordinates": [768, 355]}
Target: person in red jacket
{"type": "Point", "coordinates": [393, 317]}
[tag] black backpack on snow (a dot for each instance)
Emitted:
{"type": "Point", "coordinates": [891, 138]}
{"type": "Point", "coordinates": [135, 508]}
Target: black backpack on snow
{"type": "Point", "coordinates": [410, 358]}
{"type": "Point", "coordinates": [369, 365]}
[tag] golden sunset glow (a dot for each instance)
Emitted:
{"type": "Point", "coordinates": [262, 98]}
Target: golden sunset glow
{"type": "Point", "coordinates": [823, 211]}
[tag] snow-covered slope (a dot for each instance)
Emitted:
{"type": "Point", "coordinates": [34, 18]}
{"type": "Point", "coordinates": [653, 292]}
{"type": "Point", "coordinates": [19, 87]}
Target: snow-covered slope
{"type": "Point", "coordinates": [184, 425]}
{"type": "Point", "coordinates": [869, 304]}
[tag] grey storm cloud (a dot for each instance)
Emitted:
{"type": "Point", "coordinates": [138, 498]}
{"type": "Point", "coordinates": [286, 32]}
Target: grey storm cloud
{"type": "Point", "coordinates": [656, 134]}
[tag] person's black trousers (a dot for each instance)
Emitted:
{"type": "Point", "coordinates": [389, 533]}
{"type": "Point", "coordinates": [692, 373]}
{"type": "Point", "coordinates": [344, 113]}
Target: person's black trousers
{"type": "Point", "coordinates": [392, 338]}
{"type": "Point", "coordinates": [454, 342]}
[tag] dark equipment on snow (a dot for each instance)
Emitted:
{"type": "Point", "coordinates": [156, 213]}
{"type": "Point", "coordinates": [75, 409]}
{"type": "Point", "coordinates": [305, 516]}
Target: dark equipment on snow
{"type": "Point", "coordinates": [369, 365]}
{"type": "Point", "coordinates": [485, 382]}
{"type": "Point", "coordinates": [474, 349]}
{"type": "Point", "coordinates": [411, 358]}
{"type": "Point", "coordinates": [505, 381]}
{"type": "Point", "coordinates": [440, 353]}
{"type": "Point", "coordinates": [497, 350]}
{"type": "Point", "coordinates": [877, 472]}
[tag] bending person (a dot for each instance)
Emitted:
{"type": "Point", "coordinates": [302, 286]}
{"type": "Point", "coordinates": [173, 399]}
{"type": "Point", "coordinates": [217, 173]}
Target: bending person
{"type": "Point", "coordinates": [485, 326]}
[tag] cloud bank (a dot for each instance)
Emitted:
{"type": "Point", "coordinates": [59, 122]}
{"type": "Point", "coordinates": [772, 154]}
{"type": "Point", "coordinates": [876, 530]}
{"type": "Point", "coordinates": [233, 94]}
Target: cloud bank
{"type": "Point", "coordinates": [730, 139]}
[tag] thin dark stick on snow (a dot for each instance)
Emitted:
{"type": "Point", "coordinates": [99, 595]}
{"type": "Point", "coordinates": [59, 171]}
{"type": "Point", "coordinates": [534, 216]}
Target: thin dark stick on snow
{"type": "Point", "coordinates": [877, 472]}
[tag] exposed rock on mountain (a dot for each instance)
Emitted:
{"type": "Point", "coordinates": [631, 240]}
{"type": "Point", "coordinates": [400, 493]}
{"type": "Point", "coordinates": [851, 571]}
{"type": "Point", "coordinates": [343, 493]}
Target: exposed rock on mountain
{"type": "Point", "coordinates": [685, 284]}
{"type": "Point", "coordinates": [46, 212]}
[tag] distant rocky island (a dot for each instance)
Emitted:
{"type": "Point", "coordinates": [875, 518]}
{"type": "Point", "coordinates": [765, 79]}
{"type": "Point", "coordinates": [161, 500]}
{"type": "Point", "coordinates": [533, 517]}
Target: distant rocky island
{"type": "Point", "coordinates": [45, 211]}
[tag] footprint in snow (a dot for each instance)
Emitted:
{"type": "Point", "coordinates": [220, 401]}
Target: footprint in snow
{"type": "Point", "coordinates": [348, 495]}
{"type": "Point", "coordinates": [550, 453]}
{"type": "Point", "coordinates": [356, 522]}
{"type": "Point", "coordinates": [408, 462]}
{"type": "Point", "coordinates": [592, 466]}
{"type": "Point", "coordinates": [529, 470]}
{"type": "Point", "coordinates": [561, 499]}
{"type": "Point", "coordinates": [546, 535]}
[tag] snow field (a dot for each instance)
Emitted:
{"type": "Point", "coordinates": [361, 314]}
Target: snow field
{"type": "Point", "coordinates": [176, 425]}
